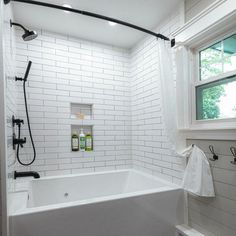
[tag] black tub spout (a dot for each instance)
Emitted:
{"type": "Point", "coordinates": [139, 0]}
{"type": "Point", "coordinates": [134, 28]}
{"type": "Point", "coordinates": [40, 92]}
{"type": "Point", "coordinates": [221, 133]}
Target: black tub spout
{"type": "Point", "coordinates": [26, 174]}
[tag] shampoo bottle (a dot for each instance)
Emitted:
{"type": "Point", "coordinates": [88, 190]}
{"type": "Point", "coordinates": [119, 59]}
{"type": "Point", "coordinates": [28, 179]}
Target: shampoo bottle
{"type": "Point", "coordinates": [82, 140]}
{"type": "Point", "coordinates": [89, 142]}
{"type": "Point", "coordinates": [75, 142]}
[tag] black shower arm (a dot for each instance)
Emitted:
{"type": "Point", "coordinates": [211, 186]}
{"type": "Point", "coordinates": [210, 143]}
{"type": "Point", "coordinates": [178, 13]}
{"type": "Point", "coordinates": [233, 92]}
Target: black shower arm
{"type": "Point", "coordinates": [16, 24]}
{"type": "Point", "coordinates": [44, 4]}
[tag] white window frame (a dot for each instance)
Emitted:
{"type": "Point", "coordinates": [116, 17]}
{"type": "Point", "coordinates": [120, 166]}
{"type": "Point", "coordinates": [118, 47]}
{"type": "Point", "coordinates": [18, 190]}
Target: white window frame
{"type": "Point", "coordinates": [217, 18]}
{"type": "Point", "coordinates": [195, 81]}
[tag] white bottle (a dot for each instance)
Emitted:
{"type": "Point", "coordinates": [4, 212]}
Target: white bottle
{"type": "Point", "coordinates": [82, 140]}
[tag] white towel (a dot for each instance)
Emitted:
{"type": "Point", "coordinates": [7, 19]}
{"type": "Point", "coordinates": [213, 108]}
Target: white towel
{"type": "Point", "coordinates": [197, 176]}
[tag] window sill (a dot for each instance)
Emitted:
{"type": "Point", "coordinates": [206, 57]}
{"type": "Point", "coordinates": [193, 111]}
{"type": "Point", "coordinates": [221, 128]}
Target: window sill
{"type": "Point", "coordinates": [217, 133]}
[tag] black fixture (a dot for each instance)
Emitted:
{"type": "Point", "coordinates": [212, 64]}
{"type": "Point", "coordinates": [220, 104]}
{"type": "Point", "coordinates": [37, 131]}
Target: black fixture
{"type": "Point", "coordinates": [26, 174]}
{"type": "Point", "coordinates": [26, 73]}
{"type": "Point", "coordinates": [28, 34]}
{"type": "Point", "coordinates": [19, 142]}
{"type": "Point", "coordinates": [233, 151]}
{"type": "Point", "coordinates": [94, 15]}
{"type": "Point", "coordinates": [16, 121]}
{"type": "Point", "coordinates": [215, 157]}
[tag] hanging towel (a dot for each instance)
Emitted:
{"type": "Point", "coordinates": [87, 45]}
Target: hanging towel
{"type": "Point", "coordinates": [197, 176]}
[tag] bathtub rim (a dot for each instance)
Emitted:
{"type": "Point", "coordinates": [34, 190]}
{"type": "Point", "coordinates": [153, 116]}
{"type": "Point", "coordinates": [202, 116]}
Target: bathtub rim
{"type": "Point", "coordinates": [29, 210]}
{"type": "Point", "coordinates": [106, 172]}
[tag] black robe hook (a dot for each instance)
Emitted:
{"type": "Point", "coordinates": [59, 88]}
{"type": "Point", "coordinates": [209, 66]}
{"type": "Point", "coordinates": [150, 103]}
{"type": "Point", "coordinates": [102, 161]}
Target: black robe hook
{"type": "Point", "coordinates": [215, 157]}
{"type": "Point", "coordinates": [233, 151]}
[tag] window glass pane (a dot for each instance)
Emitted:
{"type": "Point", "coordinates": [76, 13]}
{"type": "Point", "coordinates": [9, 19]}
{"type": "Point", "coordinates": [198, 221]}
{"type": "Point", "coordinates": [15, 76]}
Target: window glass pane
{"type": "Point", "coordinates": [218, 58]}
{"type": "Point", "coordinates": [217, 100]}
{"type": "Point", "coordinates": [211, 61]}
{"type": "Point", "coordinates": [229, 53]}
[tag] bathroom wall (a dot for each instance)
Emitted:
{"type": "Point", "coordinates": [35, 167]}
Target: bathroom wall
{"type": "Point", "coordinates": [2, 117]}
{"type": "Point", "coordinates": [8, 107]}
{"type": "Point", "coordinates": [125, 90]}
{"type": "Point", "coordinates": [11, 88]}
{"type": "Point", "coordinates": [193, 7]}
{"type": "Point", "coordinates": [216, 216]}
{"type": "Point", "coordinates": [150, 148]}
{"type": "Point", "coordinates": [128, 126]}
{"type": "Point", "coordinates": [67, 70]}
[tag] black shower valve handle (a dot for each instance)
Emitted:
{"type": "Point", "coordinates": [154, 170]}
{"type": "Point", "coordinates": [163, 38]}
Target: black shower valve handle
{"type": "Point", "coordinates": [17, 121]}
{"type": "Point", "coordinates": [19, 141]}
{"type": "Point", "coordinates": [19, 78]}
{"type": "Point", "coordinates": [23, 141]}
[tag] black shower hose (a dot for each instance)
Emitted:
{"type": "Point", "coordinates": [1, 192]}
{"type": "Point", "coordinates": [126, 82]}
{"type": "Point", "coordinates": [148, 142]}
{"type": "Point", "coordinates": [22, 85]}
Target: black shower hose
{"type": "Point", "coordinates": [30, 133]}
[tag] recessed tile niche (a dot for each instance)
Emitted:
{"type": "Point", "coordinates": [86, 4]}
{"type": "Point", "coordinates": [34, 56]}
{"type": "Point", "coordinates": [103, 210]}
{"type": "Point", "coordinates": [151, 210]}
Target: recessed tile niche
{"type": "Point", "coordinates": [81, 118]}
{"type": "Point", "coordinates": [81, 111]}
{"type": "Point", "coordinates": [87, 129]}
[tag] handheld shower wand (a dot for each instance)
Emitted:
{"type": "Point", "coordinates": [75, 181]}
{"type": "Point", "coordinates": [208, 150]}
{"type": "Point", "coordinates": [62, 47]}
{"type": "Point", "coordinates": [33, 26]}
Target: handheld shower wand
{"type": "Point", "coordinates": [27, 70]}
{"type": "Point", "coordinates": [26, 73]}
{"type": "Point", "coordinates": [27, 116]}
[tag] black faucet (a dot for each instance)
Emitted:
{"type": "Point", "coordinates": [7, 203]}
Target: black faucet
{"type": "Point", "coordinates": [26, 174]}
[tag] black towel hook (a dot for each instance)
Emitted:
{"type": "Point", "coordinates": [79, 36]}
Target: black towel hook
{"type": "Point", "coordinates": [215, 157]}
{"type": "Point", "coordinates": [233, 151]}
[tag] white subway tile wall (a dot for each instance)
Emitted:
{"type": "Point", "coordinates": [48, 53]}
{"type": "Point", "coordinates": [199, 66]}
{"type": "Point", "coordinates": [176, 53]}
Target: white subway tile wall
{"type": "Point", "coordinates": [216, 216]}
{"type": "Point", "coordinates": [128, 126]}
{"type": "Point", "coordinates": [67, 70]}
{"type": "Point", "coordinates": [151, 150]}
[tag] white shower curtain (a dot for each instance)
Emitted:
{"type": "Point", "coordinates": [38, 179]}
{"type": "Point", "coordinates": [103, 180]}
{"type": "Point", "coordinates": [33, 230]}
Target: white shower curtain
{"type": "Point", "coordinates": [167, 74]}
{"type": "Point", "coordinates": [197, 176]}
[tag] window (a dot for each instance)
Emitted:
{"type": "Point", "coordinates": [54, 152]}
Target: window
{"type": "Point", "coordinates": [215, 87]}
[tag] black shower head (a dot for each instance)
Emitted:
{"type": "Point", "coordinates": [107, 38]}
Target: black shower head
{"type": "Point", "coordinates": [28, 35]}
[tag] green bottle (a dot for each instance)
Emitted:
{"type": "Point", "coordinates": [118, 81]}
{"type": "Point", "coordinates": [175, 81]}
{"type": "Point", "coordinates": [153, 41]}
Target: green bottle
{"type": "Point", "coordinates": [74, 142]}
{"type": "Point", "coordinates": [82, 141]}
{"type": "Point", "coordinates": [89, 142]}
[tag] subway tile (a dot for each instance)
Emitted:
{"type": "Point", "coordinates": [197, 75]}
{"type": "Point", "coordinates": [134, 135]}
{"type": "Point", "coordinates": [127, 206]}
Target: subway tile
{"type": "Point", "coordinates": [124, 88]}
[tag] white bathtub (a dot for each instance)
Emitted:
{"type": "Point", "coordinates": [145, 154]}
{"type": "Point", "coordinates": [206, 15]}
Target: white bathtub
{"type": "Point", "coordinates": [117, 203]}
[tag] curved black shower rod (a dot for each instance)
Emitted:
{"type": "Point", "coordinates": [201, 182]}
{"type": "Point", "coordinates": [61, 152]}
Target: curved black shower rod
{"type": "Point", "coordinates": [44, 4]}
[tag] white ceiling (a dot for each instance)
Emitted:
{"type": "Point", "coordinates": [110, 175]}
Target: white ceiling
{"type": "Point", "coordinates": [144, 13]}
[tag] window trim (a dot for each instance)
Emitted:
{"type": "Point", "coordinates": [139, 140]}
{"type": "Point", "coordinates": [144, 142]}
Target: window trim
{"type": "Point", "coordinates": [213, 21]}
{"type": "Point", "coordinates": [195, 81]}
